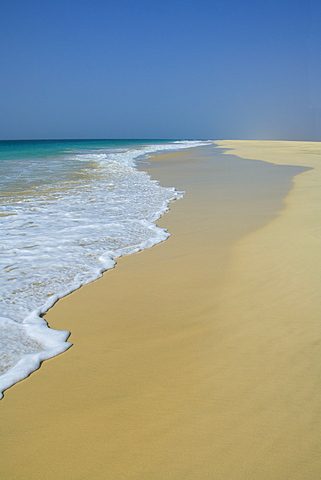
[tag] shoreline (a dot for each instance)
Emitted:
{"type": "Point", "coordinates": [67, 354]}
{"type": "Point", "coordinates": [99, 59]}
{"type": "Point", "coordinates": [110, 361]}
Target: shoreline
{"type": "Point", "coordinates": [180, 374]}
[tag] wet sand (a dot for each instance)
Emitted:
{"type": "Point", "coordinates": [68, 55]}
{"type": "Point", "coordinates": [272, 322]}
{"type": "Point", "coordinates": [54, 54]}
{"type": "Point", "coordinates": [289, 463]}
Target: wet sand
{"type": "Point", "coordinates": [199, 358]}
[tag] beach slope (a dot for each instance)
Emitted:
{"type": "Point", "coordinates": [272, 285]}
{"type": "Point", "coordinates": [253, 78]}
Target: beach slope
{"type": "Point", "coordinates": [199, 358]}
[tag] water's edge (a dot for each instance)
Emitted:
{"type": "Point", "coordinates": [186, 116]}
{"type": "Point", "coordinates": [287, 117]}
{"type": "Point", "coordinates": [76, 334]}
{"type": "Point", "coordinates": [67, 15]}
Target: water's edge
{"type": "Point", "coordinates": [55, 341]}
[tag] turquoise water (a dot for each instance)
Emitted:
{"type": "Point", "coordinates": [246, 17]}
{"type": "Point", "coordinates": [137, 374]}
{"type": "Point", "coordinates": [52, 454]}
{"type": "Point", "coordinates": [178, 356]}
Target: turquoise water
{"type": "Point", "coordinates": [26, 163]}
{"type": "Point", "coordinates": [68, 208]}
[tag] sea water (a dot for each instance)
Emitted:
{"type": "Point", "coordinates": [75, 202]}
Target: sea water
{"type": "Point", "coordinates": [67, 210]}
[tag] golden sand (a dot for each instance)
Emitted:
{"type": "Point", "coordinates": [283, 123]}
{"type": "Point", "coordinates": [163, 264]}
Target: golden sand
{"type": "Point", "coordinates": [202, 356]}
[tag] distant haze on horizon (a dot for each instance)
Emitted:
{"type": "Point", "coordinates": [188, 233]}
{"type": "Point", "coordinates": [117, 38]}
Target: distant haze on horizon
{"type": "Point", "coordinates": [171, 69]}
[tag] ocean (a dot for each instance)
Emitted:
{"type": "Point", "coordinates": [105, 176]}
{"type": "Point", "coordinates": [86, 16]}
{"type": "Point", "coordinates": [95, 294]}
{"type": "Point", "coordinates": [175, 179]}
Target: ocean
{"type": "Point", "coordinates": [68, 209]}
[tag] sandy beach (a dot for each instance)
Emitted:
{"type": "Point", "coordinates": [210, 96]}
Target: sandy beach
{"type": "Point", "coordinates": [199, 358]}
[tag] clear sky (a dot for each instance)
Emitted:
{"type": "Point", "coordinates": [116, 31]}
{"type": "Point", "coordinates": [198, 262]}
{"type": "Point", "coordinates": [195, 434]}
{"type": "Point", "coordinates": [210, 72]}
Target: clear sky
{"type": "Point", "coordinates": [160, 69]}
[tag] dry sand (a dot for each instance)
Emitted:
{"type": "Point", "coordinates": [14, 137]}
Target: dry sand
{"type": "Point", "coordinates": [199, 358]}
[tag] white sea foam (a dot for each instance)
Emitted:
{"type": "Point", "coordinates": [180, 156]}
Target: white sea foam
{"type": "Point", "coordinates": [55, 238]}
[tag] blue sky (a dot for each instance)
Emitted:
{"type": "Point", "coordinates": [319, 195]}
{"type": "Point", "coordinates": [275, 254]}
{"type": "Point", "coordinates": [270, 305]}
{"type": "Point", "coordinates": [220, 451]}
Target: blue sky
{"type": "Point", "coordinates": [163, 69]}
